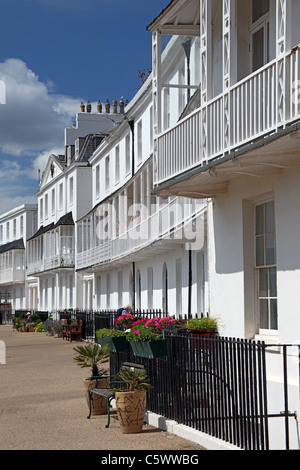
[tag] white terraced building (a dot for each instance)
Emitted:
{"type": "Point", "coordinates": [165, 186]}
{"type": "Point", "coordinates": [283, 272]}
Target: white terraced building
{"type": "Point", "coordinates": [103, 240]}
{"type": "Point", "coordinates": [188, 201]}
{"type": "Point", "coordinates": [133, 247]}
{"type": "Point", "coordinates": [17, 291]}
{"type": "Point", "coordinates": [239, 149]}
{"type": "Point", "coordinates": [64, 195]}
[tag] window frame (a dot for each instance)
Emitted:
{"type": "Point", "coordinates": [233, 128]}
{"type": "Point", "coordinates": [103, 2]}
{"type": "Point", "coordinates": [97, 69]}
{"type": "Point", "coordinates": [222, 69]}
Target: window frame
{"type": "Point", "coordinates": [261, 23]}
{"type": "Point", "coordinates": [265, 266]}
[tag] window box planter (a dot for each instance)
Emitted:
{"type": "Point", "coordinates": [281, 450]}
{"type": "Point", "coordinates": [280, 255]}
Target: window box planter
{"type": "Point", "coordinates": [149, 349]}
{"type": "Point", "coordinates": [115, 344]}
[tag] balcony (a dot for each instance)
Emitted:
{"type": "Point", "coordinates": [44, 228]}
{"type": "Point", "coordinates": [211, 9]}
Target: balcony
{"type": "Point", "coordinates": [12, 276]}
{"type": "Point", "coordinates": [250, 114]}
{"type": "Point", "coordinates": [176, 222]}
{"type": "Point", "coordinates": [12, 266]}
{"type": "Point", "coordinates": [63, 258]}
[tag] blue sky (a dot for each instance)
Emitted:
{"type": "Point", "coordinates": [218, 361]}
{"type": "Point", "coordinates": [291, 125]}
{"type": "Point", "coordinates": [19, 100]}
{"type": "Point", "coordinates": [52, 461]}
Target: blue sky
{"type": "Point", "coordinates": [53, 55]}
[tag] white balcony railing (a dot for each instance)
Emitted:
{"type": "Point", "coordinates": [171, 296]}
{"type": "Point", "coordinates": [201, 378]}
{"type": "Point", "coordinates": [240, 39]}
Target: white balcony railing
{"type": "Point", "coordinates": [171, 223]}
{"type": "Point", "coordinates": [61, 260]}
{"type": "Point", "coordinates": [12, 275]}
{"type": "Point", "coordinates": [258, 105]}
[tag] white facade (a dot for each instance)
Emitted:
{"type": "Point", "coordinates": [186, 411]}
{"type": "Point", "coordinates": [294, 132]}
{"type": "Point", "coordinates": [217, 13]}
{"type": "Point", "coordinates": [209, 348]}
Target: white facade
{"type": "Point", "coordinates": [188, 202]}
{"type": "Point", "coordinates": [239, 148]}
{"type": "Point", "coordinates": [133, 247]}
{"type": "Point", "coordinates": [15, 227]}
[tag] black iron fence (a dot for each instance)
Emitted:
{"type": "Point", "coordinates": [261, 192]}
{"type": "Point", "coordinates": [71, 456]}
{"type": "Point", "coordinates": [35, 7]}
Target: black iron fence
{"type": "Point", "coordinates": [95, 320]}
{"type": "Point", "coordinates": [214, 385]}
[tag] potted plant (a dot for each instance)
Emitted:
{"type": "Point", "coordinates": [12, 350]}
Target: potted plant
{"type": "Point", "coordinates": [91, 356]}
{"type": "Point", "coordinates": [57, 328]}
{"type": "Point", "coordinates": [124, 321]}
{"type": "Point", "coordinates": [48, 326]}
{"type": "Point", "coordinates": [39, 327]}
{"type": "Point", "coordinates": [205, 327]}
{"type": "Point", "coordinates": [131, 400]}
{"type": "Point", "coordinates": [31, 326]}
{"type": "Point", "coordinates": [146, 343]}
{"type": "Point", "coordinates": [202, 326]}
{"type": "Point", "coordinates": [115, 339]}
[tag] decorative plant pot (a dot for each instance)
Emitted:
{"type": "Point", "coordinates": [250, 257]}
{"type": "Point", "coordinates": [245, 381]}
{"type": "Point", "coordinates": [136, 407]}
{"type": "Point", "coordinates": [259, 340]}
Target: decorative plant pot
{"type": "Point", "coordinates": [131, 408]}
{"type": "Point", "coordinates": [149, 349]}
{"type": "Point", "coordinates": [203, 334]}
{"type": "Point", "coordinates": [31, 328]}
{"type": "Point", "coordinates": [117, 343]}
{"type": "Point", "coordinates": [98, 403]}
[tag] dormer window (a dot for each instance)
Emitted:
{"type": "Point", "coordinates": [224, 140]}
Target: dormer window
{"type": "Point", "coordinates": [260, 33]}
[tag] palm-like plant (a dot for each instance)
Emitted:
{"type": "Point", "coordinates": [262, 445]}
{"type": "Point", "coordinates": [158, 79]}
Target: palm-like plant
{"type": "Point", "coordinates": [134, 379]}
{"type": "Point", "coordinates": [91, 355]}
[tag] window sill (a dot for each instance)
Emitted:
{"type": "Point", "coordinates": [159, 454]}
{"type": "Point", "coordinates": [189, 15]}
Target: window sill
{"type": "Point", "coordinates": [269, 338]}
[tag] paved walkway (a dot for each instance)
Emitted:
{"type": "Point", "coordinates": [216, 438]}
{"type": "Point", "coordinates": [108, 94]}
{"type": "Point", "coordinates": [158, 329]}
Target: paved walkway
{"type": "Point", "coordinates": [42, 403]}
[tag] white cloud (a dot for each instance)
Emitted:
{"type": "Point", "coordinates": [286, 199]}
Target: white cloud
{"type": "Point", "coordinates": [32, 124]}
{"type": "Point", "coordinates": [32, 119]}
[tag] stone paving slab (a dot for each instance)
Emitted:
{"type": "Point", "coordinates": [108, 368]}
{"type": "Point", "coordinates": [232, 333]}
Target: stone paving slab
{"type": "Point", "coordinates": [42, 403]}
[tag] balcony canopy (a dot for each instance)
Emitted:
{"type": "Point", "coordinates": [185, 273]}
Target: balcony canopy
{"type": "Point", "coordinates": [66, 219]}
{"type": "Point", "coordinates": [14, 245]}
{"type": "Point", "coordinates": [180, 17]}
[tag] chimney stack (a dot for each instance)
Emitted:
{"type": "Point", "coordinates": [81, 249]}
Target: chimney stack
{"type": "Point", "coordinates": [99, 107]}
{"type": "Point", "coordinates": [121, 106]}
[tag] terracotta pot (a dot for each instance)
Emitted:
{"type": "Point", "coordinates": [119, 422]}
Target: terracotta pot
{"type": "Point", "coordinates": [202, 333]}
{"type": "Point", "coordinates": [131, 407]}
{"type": "Point", "coordinates": [98, 403]}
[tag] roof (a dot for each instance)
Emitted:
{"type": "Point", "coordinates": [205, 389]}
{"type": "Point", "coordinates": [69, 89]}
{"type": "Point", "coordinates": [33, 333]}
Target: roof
{"type": "Point", "coordinates": [161, 13]}
{"type": "Point", "coordinates": [66, 219]}
{"type": "Point", "coordinates": [14, 245]}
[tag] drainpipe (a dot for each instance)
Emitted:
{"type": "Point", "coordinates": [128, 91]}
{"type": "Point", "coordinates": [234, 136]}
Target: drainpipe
{"type": "Point", "coordinates": [133, 286]}
{"type": "Point", "coordinates": [190, 285]}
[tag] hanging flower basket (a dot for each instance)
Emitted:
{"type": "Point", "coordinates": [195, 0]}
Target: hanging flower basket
{"type": "Point", "coordinates": [116, 340]}
{"type": "Point", "coordinates": [146, 339]}
{"type": "Point", "coordinates": [115, 344]}
{"type": "Point", "coordinates": [149, 349]}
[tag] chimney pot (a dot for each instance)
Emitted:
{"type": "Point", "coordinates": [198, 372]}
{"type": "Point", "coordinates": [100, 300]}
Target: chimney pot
{"type": "Point", "coordinates": [115, 106]}
{"type": "Point", "coordinates": [99, 107]}
{"type": "Point", "coordinates": [107, 107]}
{"type": "Point", "coordinates": [89, 107]}
{"type": "Point", "coordinates": [121, 106]}
{"type": "Point", "coordinates": [82, 108]}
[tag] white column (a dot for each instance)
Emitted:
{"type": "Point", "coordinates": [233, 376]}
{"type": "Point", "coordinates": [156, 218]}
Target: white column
{"type": "Point", "coordinates": [281, 43]}
{"type": "Point", "coordinates": [229, 65]}
{"type": "Point", "coordinates": [88, 303]}
{"type": "Point", "coordinates": [205, 70]}
{"type": "Point", "coordinates": [156, 92]}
